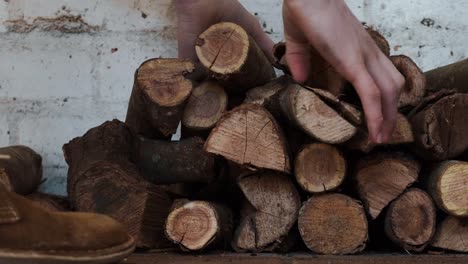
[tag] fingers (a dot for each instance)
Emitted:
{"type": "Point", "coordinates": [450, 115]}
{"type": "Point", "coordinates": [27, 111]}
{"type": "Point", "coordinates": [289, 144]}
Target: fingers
{"type": "Point", "coordinates": [298, 59]}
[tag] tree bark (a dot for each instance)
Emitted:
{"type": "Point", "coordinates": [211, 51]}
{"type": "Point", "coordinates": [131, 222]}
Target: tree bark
{"type": "Point", "coordinates": [448, 187]}
{"type": "Point", "coordinates": [20, 169]}
{"type": "Point", "coordinates": [410, 221]}
{"type": "Point", "coordinates": [233, 57]}
{"type": "Point", "coordinates": [50, 202]}
{"type": "Point", "coordinates": [451, 234]}
{"type": "Point", "coordinates": [383, 177]}
{"type": "Point", "coordinates": [415, 86]}
{"type": "Point", "coordinates": [333, 224]}
{"type": "Point", "coordinates": [270, 210]}
{"type": "Point", "coordinates": [158, 97]}
{"type": "Point", "coordinates": [319, 168]}
{"type": "Point", "coordinates": [440, 128]}
{"type": "Point", "coordinates": [452, 77]}
{"type": "Point", "coordinates": [250, 136]}
{"type": "Point", "coordinates": [197, 225]}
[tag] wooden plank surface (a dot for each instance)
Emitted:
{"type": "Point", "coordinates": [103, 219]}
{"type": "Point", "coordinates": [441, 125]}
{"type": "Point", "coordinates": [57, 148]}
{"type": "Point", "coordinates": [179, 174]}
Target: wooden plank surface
{"type": "Point", "coordinates": [295, 258]}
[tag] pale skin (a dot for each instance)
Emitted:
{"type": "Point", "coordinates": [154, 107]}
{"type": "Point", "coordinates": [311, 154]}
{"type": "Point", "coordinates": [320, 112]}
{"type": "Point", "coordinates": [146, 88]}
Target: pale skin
{"type": "Point", "coordinates": [327, 25]}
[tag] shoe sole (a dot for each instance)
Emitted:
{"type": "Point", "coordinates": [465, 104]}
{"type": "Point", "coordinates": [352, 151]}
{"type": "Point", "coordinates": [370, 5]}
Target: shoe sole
{"type": "Point", "coordinates": [102, 256]}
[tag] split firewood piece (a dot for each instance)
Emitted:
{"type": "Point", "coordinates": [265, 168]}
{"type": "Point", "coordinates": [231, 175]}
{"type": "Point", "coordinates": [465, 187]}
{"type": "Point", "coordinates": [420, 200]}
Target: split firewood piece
{"type": "Point", "coordinates": [319, 168]}
{"type": "Point", "coordinates": [415, 85]}
{"type": "Point", "coordinates": [269, 213]}
{"type": "Point", "coordinates": [159, 93]}
{"type": "Point", "coordinates": [54, 203]}
{"type": "Point", "coordinates": [452, 77]}
{"type": "Point", "coordinates": [402, 134]}
{"type": "Point", "coordinates": [448, 186]}
{"type": "Point", "coordinates": [20, 169]}
{"type": "Point", "coordinates": [382, 178]}
{"type": "Point", "coordinates": [196, 225]}
{"type": "Point", "coordinates": [233, 57]}
{"type": "Point", "coordinates": [249, 135]}
{"type": "Point", "coordinates": [451, 234]}
{"type": "Point", "coordinates": [333, 224]}
{"type": "Point", "coordinates": [267, 94]}
{"type": "Point", "coordinates": [168, 162]}
{"type": "Point", "coordinates": [440, 128]}
{"type": "Point", "coordinates": [380, 40]}
{"type": "Point", "coordinates": [205, 106]}
{"type": "Point", "coordinates": [410, 221]}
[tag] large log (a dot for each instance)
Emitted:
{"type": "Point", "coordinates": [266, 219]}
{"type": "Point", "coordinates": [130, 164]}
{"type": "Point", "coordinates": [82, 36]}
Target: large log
{"type": "Point", "coordinates": [410, 221]}
{"type": "Point", "coordinates": [249, 135]}
{"type": "Point", "coordinates": [440, 128]}
{"type": "Point", "coordinates": [415, 86]}
{"type": "Point", "coordinates": [448, 186]}
{"type": "Point", "coordinates": [319, 168]}
{"type": "Point", "coordinates": [452, 77]}
{"type": "Point", "coordinates": [197, 225]}
{"type": "Point", "coordinates": [159, 93]}
{"type": "Point", "coordinates": [233, 57]}
{"type": "Point", "coordinates": [20, 169]}
{"type": "Point", "coordinates": [383, 177]}
{"type": "Point", "coordinates": [54, 203]}
{"type": "Point", "coordinates": [452, 234]}
{"type": "Point", "coordinates": [271, 208]}
{"type": "Point", "coordinates": [333, 224]}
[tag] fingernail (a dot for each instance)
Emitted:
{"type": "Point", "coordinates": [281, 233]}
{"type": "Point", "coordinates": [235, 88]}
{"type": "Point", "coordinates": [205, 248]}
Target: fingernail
{"type": "Point", "coordinates": [379, 138]}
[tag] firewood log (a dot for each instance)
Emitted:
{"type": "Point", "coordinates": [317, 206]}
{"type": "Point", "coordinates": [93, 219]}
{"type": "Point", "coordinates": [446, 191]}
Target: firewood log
{"type": "Point", "coordinates": [452, 77]}
{"type": "Point", "coordinates": [452, 234]}
{"type": "Point", "coordinates": [197, 225]}
{"type": "Point", "coordinates": [415, 86]}
{"type": "Point", "coordinates": [383, 177]}
{"type": "Point", "coordinates": [54, 203]}
{"type": "Point", "coordinates": [271, 208]}
{"type": "Point", "coordinates": [20, 169]}
{"type": "Point", "coordinates": [333, 224]}
{"type": "Point", "coordinates": [410, 221]}
{"type": "Point", "coordinates": [233, 57]}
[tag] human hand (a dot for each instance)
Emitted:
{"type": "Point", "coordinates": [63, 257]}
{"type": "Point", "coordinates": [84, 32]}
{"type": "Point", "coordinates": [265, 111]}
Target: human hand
{"type": "Point", "coordinates": [195, 16]}
{"type": "Point", "coordinates": [332, 29]}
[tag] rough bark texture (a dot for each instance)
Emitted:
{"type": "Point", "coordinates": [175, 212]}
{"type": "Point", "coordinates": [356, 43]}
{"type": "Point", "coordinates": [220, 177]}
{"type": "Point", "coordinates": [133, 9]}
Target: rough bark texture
{"type": "Point", "coordinates": [196, 225]}
{"type": "Point", "coordinates": [452, 234]}
{"type": "Point", "coordinates": [159, 93]}
{"type": "Point", "coordinates": [233, 57]}
{"type": "Point", "coordinates": [410, 221]}
{"type": "Point", "coordinates": [250, 136]}
{"type": "Point", "coordinates": [271, 208]}
{"type": "Point", "coordinates": [50, 202]}
{"type": "Point", "coordinates": [205, 106]}
{"type": "Point", "coordinates": [333, 224]}
{"type": "Point", "coordinates": [448, 186]}
{"type": "Point", "coordinates": [415, 85]}
{"type": "Point", "coordinates": [452, 77]}
{"type": "Point", "coordinates": [383, 177]}
{"type": "Point", "coordinates": [319, 167]}
{"type": "Point", "coordinates": [164, 162]}
{"type": "Point", "coordinates": [20, 169]}
{"type": "Point", "coordinates": [102, 179]}
{"type": "Point", "coordinates": [440, 128]}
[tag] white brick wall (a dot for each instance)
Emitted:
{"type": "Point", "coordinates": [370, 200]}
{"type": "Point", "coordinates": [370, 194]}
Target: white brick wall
{"type": "Point", "coordinates": [54, 85]}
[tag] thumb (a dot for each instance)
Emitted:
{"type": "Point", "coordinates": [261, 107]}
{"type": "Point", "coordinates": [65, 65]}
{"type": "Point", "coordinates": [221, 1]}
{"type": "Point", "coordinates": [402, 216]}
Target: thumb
{"type": "Point", "coordinates": [298, 59]}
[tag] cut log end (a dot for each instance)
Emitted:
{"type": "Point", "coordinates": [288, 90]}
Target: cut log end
{"type": "Point", "coordinates": [319, 168]}
{"type": "Point", "coordinates": [411, 219]}
{"type": "Point", "coordinates": [415, 85]}
{"type": "Point", "coordinates": [249, 135]}
{"type": "Point", "coordinates": [333, 224]}
{"type": "Point", "coordinates": [451, 234]}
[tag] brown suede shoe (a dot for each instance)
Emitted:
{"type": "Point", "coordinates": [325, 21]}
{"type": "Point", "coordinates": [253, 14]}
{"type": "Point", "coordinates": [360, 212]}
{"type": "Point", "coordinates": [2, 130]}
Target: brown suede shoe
{"type": "Point", "coordinates": [30, 234]}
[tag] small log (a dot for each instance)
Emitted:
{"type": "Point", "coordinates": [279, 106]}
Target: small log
{"type": "Point", "coordinates": [249, 135]}
{"type": "Point", "coordinates": [448, 186]}
{"type": "Point", "coordinates": [159, 93]}
{"type": "Point", "coordinates": [415, 86]}
{"type": "Point", "coordinates": [164, 162]}
{"type": "Point", "coordinates": [451, 234]}
{"type": "Point", "coordinates": [20, 169]}
{"type": "Point", "coordinates": [333, 224]}
{"type": "Point", "coordinates": [233, 57]}
{"type": "Point", "coordinates": [205, 107]}
{"type": "Point", "coordinates": [440, 128]}
{"type": "Point", "coordinates": [319, 168]}
{"type": "Point", "coordinates": [270, 211]}
{"type": "Point", "coordinates": [197, 225]}
{"type": "Point", "coordinates": [383, 177]}
{"type": "Point", "coordinates": [410, 221]}
{"type": "Point", "coordinates": [452, 77]}
{"type": "Point", "coordinates": [50, 202]}
{"type": "Point", "coordinates": [266, 95]}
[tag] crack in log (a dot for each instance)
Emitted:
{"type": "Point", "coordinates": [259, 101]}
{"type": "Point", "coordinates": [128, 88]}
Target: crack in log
{"type": "Point", "coordinates": [219, 51]}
